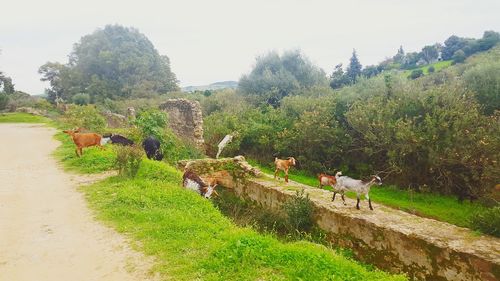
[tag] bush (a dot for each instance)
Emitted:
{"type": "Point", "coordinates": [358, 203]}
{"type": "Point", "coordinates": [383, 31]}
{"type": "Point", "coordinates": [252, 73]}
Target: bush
{"type": "Point", "coordinates": [4, 100]}
{"type": "Point", "coordinates": [487, 222]}
{"type": "Point", "coordinates": [459, 57]}
{"type": "Point", "coordinates": [152, 123]}
{"type": "Point", "coordinates": [416, 74]}
{"type": "Point", "coordinates": [299, 212]}
{"type": "Point", "coordinates": [431, 69]}
{"type": "Point", "coordinates": [128, 160]}
{"type": "Point", "coordinates": [81, 99]}
{"type": "Point", "coordinates": [484, 80]}
{"type": "Point", "coordinates": [85, 116]}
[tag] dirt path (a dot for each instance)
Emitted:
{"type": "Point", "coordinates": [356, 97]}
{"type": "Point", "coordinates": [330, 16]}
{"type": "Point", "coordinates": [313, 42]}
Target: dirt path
{"type": "Point", "coordinates": [46, 230]}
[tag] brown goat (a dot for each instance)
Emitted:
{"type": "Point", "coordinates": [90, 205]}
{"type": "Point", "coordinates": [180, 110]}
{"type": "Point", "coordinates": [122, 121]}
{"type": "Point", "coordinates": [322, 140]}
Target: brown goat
{"type": "Point", "coordinates": [325, 180]}
{"type": "Point", "coordinates": [82, 140]}
{"type": "Point", "coordinates": [283, 165]}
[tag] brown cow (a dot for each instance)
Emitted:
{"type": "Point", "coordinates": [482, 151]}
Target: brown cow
{"type": "Point", "coordinates": [82, 140]}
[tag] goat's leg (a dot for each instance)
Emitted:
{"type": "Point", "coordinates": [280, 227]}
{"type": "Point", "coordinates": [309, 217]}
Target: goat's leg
{"type": "Point", "coordinates": [76, 150]}
{"type": "Point", "coordinates": [276, 173]}
{"type": "Point", "coordinates": [357, 204]}
{"type": "Point", "coordinates": [334, 193]}
{"type": "Point", "coordinates": [343, 199]}
{"type": "Point", "coordinates": [286, 175]}
{"type": "Point", "coordinates": [81, 151]}
{"type": "Point", "coordinates": [369, 201]}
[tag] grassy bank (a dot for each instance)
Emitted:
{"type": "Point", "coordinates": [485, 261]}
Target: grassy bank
{"type": "Point", "coordinates": [18, 117]}
{"type": "Point", "coordinates": [190, 238]}
{"type": "Point", "coordinates": [439, 207]}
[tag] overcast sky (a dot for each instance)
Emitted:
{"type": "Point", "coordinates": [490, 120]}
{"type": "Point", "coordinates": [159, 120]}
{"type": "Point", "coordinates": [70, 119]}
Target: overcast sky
{"type": "Point", "coordinates": [216, 40]}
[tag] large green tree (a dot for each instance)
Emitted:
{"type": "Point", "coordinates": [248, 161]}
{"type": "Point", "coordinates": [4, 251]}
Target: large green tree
{"type": "Point", "coordinates": [275, 77]}
{"type": "Point", "coordinates": [114, 62]}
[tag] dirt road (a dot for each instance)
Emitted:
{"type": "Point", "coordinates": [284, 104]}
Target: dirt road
{"type": "Point", "coordinates": [46, 230]}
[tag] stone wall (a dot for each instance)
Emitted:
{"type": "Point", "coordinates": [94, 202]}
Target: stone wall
{"type": "Point", "coordinates": [390, 239]}
{"type": "Point", "coordinates": [186, 120]}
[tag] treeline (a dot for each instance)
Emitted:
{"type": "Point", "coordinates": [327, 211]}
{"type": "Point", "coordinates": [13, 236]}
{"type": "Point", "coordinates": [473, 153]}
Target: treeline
{"type": "Point", "coordinates": [436, 133]}
{"type": "Point", "coordinates": [455, 48]}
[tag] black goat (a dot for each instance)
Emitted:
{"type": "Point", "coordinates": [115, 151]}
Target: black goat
{"type": "Point", "coordinates": [152, 147]}
{"type": "Point", "coordinates": [118, 139]}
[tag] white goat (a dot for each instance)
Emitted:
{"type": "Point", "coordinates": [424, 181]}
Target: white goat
{"type": "Point", "coordinates": [360, 187]}
{"type": "Point", "coordinates": [227, 139]}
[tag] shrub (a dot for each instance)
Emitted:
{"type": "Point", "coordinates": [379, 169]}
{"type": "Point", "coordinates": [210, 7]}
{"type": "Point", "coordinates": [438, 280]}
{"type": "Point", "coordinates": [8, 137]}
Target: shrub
{"type": "Point", "coordinates": [459, 57]}
{"type": "Point", "coordinates": [152, 123]}
{"type": "Point", "coordinates": [299, 212]}
{"type": "Point", "coordinates": [81, 99]}
{"type": "Point", "coordinates": [4, 100]}
{"type": "Point", "coordinates": [487, 222]}
{"type": "Point", "coordinates": [128, 160]}
{"type": "Point", "coordinates": [431, 69]}
{"type": "Point", "coordinates": [484, 80]}
{"type": "Point", "coordinates": [416, 73]}
{"type": "Point", "coordinates": [85, 116]}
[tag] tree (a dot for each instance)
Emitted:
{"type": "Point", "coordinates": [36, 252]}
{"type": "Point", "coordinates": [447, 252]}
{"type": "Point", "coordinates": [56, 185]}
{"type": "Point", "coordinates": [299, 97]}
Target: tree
{"type": "Point", "coordinates": [490, 39]}
{"type": "Point", "coordinates": [274, 77]}
{"type": "Point", "coordinates": [114, 62]}
{"type": "Point", "coordinates": [458, 57]}
{"type": "Point", "coordinates": [370, 71]}
{"type": "Point", "coordinates": [416, 74]}
{"type": "Point", "coordinates": [400, 56]}
{"type": "Point", "coordinates": [451, 45]}
{"type": "Point", "coordinates": [338, 77]}
{"type": "Point", "coordinates": [6, 85]}
{"type": "Point", "coordinates": [430, 53]}
{"type": "Point", "coordinates": [354, 69]}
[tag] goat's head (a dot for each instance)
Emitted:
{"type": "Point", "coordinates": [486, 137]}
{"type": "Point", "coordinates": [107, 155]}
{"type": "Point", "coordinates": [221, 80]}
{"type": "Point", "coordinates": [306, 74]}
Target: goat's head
{"type": "Point", "coordinates": [292, 161]}
{"type": "Point", "coordinates": [338, 174]}
{"type": "Point", "coordinates": [211, 190]}
{"type": "Point", "coordinates": [72, 132]}
{"type": "Point", "coordinates": [377, 180]}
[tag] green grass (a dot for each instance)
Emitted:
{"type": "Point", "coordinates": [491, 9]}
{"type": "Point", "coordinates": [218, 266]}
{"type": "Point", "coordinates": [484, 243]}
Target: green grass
{"type": "Point", "coordinates": [191, 239]}
{"type": "Point", "coordinates": [18, 117]}
{"type": "Point", "coordinates": [438, 66]}
{"type": "Point", "coordinates": [439, 207]}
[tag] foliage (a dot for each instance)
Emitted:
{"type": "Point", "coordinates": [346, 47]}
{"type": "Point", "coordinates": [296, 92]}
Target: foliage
{"type": "Point", "coordinates": [274, 77]}
{"type": "Point", "coordinates": [458, 57]}
{"type": "Point", "coordinates": [484, 81]}
{"type": "Point", "coordinates": [87, 117]}
{"type": "Point", "coordinates": [128, 160]}
{"type": "Point", "coordinates": [431, 69]}
{"type": "Point", "coordinates": [114, 62]}
{"type": "Point", "coordinates": [299, 212]}
{"type": "Point", "coordinates": [430, 53]}
{"type": "Point", "coordinates": [487, 222]}
{"type": "Point", "coordinates": [152, 123]}
{"type": "Point", "coordinates": [6, 85]}
{"type": "Point", "coordinates": [4, 100]}
{"type": "Point", "coordinates": [416, 74]}
{"type": "Point", "coordinates": [81, 99]}
{"type": "Point", "coordinates": [354, 68]}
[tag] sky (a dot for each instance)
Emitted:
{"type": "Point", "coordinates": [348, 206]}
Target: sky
{"type": "Point", "coordinates": [218, 40]}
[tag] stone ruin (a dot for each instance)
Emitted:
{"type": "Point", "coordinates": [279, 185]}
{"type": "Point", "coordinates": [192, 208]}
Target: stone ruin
{"type": "Point", "coordinates": [185, 120]}
{"type": "Point", "coordinates": [114, 120]}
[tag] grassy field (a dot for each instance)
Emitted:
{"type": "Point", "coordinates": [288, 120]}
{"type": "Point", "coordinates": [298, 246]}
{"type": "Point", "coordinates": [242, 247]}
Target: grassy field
{"type": "Point", "coordinates": [190, 238]}
{"type": "Point", "coordinates": [439, 207]}
{"type": "Point", "coordinates": [437, 67]}
{"type": "Point", "coordinates": [18, 117]}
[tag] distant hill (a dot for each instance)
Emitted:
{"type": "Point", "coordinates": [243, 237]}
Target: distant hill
{"type": "Point", "coordinates": [212, 87]}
